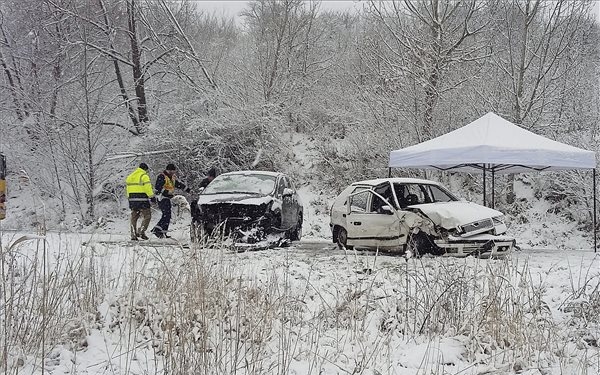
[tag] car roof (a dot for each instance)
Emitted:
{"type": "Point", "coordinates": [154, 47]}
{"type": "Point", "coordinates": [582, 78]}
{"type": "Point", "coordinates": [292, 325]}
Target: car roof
{"type": "Point", "coordinates": [249, 172]}
{"type": "Point", "coordinates": [399, 180]}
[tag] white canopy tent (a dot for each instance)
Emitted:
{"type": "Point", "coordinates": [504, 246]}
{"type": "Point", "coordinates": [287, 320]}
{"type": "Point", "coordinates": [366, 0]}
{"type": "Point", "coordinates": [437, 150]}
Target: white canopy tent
{"type": "Point", "coordinates": [493, 144]}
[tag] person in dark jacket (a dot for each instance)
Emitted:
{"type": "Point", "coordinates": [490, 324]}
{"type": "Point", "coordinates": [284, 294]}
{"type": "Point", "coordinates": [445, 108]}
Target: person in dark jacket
{"type": "Point", "coordinates": [165, 186]}
{"type": "Point", "coordinates": [139, 194]}
{"type": "Point", "coordinates": [212, 173]}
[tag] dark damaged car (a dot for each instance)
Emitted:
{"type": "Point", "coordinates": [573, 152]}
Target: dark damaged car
{"type": "Point", "coordinates": [248, 206]}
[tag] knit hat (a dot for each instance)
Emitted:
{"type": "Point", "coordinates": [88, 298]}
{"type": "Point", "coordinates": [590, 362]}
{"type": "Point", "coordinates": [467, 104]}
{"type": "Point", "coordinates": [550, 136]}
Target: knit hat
{"type": "Point", "coordinates": [170, 167]}
{"type": "Point", "coordinates": [212, 172]}
{"type": "Point", "coordinates": [144, 166]}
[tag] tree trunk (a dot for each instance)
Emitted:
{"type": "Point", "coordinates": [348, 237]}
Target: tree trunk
{"type": "Point", "coordinates": [130, 110]}
{"type": "Point", "coordinates": [138, 77]}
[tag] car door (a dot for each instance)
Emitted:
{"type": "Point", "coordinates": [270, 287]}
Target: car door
{"type": "Point", "coordinates": [339, 208]}
{"type": "Point", "coordinates": [372, 221]}
{"type": "Point", "coordinates": [296, 200]}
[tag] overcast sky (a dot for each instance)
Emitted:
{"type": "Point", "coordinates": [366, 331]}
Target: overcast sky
{"type": "Point", "coordinates": [233, 7]}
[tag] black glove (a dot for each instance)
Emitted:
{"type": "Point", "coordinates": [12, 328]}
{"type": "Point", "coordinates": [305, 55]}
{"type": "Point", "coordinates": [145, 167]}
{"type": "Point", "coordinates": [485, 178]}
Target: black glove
{"type": "Point", "coordinates": [153, 200]}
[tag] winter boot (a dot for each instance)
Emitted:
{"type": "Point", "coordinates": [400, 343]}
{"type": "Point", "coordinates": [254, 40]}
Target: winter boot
{"type": "Point", "coordinates": [157, 232]}
{"type": "Point", "coordinates": [143, 236]}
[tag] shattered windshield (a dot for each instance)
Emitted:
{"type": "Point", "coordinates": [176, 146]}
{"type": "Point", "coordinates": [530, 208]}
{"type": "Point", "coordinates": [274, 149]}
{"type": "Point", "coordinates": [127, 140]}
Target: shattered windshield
{"type": "Point", "coordinates": [242, 183]}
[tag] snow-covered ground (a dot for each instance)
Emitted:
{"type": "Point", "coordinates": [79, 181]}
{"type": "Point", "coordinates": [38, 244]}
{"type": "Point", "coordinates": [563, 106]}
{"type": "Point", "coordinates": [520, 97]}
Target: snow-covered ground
{"type": "Point", "coordinates": [312, 309]}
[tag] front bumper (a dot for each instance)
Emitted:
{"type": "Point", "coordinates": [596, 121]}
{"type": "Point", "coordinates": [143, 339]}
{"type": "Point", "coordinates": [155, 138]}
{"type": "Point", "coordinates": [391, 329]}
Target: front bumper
{"type": "Point", "coordinates": [231, 224]}
{"type": "Point", "coordinates": [483, 246]}
{"type": "Point", "coordinates": [241, 229]}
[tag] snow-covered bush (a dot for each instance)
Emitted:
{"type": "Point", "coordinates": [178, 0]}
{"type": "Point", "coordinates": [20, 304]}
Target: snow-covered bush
{"type": "Point", "coordinates": [228, 140]}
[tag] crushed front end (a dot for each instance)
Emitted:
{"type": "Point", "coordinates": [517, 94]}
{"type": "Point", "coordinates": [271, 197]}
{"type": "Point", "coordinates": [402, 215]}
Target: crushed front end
{"type": "Point", "coordinates": [482, 245]}
{"type": "Point", "coordinates": [478, 231]}
{"type": "Point", "coordinates": [242, 222]}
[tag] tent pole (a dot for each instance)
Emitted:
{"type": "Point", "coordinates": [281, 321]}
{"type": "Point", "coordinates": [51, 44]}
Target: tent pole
{"type": "Point", "coordinates": [389, 172]}
{"type": "Point", "coordinates": [595, 230]}
{"type": "Point", "coordinates": [484, 197]}
{"type": "Point", "coordinates": [493, 188]}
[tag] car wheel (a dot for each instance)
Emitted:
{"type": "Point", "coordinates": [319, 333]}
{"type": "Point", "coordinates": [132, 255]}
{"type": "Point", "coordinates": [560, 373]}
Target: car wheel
{"type": "Point", "coordinates": [296, 233]}
{"type": "Point", "coordinates": [412, 245]}
{"type": "Point", "coordinates": [342, 239]}
{"type": "Point", "coordinates": [421, 243]}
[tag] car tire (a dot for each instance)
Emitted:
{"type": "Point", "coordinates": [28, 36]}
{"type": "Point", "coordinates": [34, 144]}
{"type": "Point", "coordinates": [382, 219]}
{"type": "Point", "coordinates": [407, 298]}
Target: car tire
{"type": "Point", "coordinates": [276, 222]}
{"type": "Point", "coordinates": [296, 233]}
{"type": "Point", "coordinates": [420, 244]}
{"type": "Point", "coordinates": [342, 239]}
{"type": "Point", "coordinates": [412, 246]}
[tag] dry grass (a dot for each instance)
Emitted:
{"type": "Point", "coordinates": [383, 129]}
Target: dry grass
{"type": "Point", "coordinates": [198, 311]}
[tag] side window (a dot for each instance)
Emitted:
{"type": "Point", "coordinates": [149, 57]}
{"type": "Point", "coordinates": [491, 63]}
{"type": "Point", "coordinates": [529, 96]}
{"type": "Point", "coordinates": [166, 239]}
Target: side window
{"type": "Point", "coordinates": [290, 184]}
{"type": "Point", "coordinates": [358, 202]}
{"type": "Point", "coordinates": [377, 204]}
{"type": "Point", "coordinates": [282, 185]}
{"type": "Point", "coordinates": [286, 184]}
{"type": "Point", "coordinates": [409, 194]}
{"type": "Point", "coordinates": [385, 190]}
{"type": "Point", "coordinates": [439, 195]}
{"type": "Point", "coordinates": [416, 194]}
{"type": "Point", "coordinates": [400, 191]}
{"type": "Point", "coordinates": [355, 190]}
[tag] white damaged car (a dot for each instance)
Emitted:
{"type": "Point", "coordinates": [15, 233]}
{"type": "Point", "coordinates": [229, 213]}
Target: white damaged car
{"type": "Point", "coordinates": [416, 216]}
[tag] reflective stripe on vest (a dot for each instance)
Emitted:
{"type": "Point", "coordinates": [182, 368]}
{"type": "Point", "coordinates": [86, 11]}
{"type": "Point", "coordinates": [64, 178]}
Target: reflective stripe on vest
{"type": "Point", "coordinates": [169, 184]}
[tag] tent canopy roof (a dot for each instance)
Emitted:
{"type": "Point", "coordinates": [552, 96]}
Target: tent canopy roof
{"type": "Point", "coordinates": [496, 143]}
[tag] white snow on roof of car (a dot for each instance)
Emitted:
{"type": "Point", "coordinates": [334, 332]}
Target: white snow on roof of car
{"type": "Point", "coordinates": [267, 173]}
{"type": "Point", "coordinates": [400, 180]}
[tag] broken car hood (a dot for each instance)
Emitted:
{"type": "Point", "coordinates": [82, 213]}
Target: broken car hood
{"type": "Point", "coordinates": [246, 199]}
{"type": "Point", "coordinates": [449, 215]}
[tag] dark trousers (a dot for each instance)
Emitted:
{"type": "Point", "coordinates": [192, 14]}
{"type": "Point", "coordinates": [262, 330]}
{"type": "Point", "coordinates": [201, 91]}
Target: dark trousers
{"type": "Point", "coordinates": [163, 224]}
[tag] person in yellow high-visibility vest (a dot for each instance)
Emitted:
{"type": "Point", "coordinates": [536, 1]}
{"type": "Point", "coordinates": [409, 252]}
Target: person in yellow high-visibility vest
{"type": "Point", "coordinates": [165, 186]}
{"type": "Point", "coordinates": [140, 194]}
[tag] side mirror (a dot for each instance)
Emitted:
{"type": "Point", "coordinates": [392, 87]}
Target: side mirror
{"type": "Point", "coordinates": [386, 210]}
{"type": "Point", "coordinates": [287, 192]}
